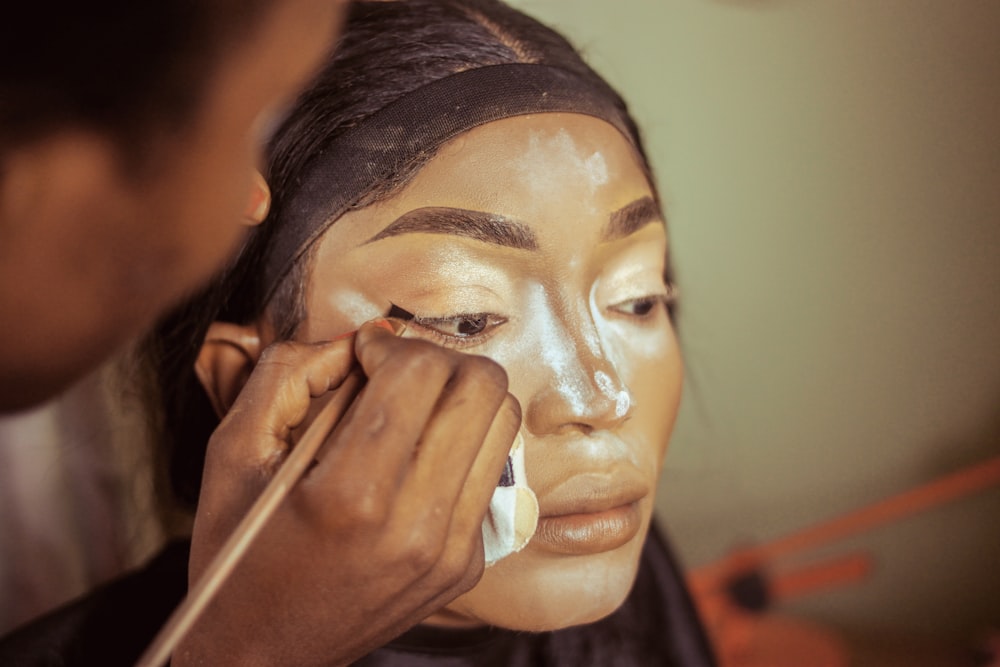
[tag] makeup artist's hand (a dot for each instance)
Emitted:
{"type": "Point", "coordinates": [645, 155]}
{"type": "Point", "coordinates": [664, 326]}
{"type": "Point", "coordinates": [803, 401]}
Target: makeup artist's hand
{"type": "Point", "coordinates": [383, 531]}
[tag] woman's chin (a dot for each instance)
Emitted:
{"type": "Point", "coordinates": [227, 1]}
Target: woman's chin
{"type": "Point", "coordinates": [532, 613]}
{"type": "Point", "coordinates": [537, 592]}
{"type": "Point", "coordinates": [531, 620]}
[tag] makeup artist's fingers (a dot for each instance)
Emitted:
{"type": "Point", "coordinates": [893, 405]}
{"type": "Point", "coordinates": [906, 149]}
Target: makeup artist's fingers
{"type": "Point", "coordinates": [485, 472]}
{"type": "Point", "coordinates": [475, 421]}
{"type": "Point", "coordinates": [451, 398]}
{"type": "Point", "coordinates": [276, 398]}
{"type": "Point", "coordinates": [373, 448]}
{"type": "Point", "coordinates": [373, 344]}
{"type": "Point", "coordinates": [458, 497]}
{"type": "Point", "coordinates": [434, 527]}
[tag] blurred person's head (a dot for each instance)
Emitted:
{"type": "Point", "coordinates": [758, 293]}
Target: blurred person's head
{"type": "Point", "coordinates": [129, 137]}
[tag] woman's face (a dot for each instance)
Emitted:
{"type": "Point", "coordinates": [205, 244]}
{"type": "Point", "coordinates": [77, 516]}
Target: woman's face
{"type": "Point", "coordinates": [535, 241]}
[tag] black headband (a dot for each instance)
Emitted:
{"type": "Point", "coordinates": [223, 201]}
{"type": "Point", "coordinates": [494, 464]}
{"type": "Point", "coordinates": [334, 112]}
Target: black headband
{"type": "Point", "coordinates": [416, 125]}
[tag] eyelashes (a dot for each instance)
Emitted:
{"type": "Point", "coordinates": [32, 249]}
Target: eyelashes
{"type": "Point", "coordinates": [399, 314]}
{"type": "Point", "coordinates": [641, 307]}
{"type": "Point", "coordinates": [460, 330]}
{"type": "Point", "coordinates": [644, 308]}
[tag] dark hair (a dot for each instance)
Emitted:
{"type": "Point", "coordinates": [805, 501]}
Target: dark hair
{"type": "Point", "coordinates": [387, 50]}
{"type": "Point", "coordinates": [125, 68]}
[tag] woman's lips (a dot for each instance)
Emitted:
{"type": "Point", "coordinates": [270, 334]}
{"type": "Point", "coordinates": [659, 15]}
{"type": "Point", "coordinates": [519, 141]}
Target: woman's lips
{"type": "Point", "coordinates": [588, 533]}
{"type": "Point", "coordinates": [583, 518]}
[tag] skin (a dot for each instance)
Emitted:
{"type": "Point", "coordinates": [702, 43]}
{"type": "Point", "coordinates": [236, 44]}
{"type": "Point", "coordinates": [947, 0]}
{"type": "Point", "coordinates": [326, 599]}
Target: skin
{"type": "Point", "coordinates": [90, 254]}
{"type": "Point", "coordinates": [576, 317]}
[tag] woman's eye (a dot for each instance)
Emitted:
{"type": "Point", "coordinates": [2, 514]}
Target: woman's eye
{"type": "Point", "coordinates": [461, 328]}
{"type": "Point", "coordinates": [638, 307]}
{"type": "Point", "coordinates": [643, 307]}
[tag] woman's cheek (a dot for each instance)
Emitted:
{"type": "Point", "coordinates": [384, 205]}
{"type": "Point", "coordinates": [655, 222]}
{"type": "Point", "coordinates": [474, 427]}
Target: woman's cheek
{"type": "Point", "coordinates": [632, 347]}
{"type": "Point", "coordinates": [647, 360]}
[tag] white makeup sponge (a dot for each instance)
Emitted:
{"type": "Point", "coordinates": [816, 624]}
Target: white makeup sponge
{"type": "Point", "coordinates": [513, 513]}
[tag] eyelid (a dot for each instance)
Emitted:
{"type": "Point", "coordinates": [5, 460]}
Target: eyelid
{"type": "Point", "coordinates": [430, 326]}
{"type": "Point", "coordinates": [664, 296]}
{"type": "Point", "coordinates": [622, 299]}
{"type": "Point", "coordinates": [634, 284]}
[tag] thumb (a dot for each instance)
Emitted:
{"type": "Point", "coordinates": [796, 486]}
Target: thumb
{"type": "Point", "coordinates": [376, 340]}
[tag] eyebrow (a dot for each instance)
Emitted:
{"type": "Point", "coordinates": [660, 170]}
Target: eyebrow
{"type": "Point", "coordinates": [631, 218]}
{"type": "Point", "coordinates": [505, 231]}
{"type": "Point", "coordinates": [487, 227]}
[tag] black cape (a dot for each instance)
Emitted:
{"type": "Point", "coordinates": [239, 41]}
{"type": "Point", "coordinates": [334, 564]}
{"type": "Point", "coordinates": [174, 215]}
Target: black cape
{"type": "Point", "coordinates": [656, 626]}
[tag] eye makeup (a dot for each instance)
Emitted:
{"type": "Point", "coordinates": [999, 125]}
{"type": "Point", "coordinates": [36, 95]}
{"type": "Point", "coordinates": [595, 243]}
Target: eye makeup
{"type": "Point", "coordinates": [458, 330]}
{"type": "Point", "coordinates": [398, 313]}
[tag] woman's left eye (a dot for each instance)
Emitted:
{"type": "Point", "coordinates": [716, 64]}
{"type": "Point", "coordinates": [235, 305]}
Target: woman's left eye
{"type": "Point", "coordinates": [641, 307]}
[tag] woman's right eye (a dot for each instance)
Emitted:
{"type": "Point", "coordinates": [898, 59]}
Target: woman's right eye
{"type": "Point", "coordinates": [460, 326]}
{"type": "Point", "coordinates": [456, 330]}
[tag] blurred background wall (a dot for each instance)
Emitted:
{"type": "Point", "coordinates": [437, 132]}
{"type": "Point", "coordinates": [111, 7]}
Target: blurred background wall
{"type": "Point", "coordinates": [831, 172]}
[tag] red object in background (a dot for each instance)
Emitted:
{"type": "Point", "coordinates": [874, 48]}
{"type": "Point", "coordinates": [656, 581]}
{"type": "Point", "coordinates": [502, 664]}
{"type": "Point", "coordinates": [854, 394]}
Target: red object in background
{"type": "Point", "coordinates": [736, 593]}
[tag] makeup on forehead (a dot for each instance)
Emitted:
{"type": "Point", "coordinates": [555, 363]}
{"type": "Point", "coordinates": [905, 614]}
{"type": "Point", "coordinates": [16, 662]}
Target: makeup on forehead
{"type": "Point", "coordinates": [508, 232]}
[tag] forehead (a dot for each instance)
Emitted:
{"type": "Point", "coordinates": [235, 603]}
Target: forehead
{"type": "Point", "coordinates": [538, 169]}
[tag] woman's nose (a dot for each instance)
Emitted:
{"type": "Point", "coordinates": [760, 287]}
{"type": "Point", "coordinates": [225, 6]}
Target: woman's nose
{"type": "Point", "coordinates": [581, 389]}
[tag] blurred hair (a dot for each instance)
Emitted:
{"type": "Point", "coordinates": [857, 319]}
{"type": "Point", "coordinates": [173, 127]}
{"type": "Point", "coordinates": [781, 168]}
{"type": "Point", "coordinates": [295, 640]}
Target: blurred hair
{"type": "Point", "coordinates": [129, 69]}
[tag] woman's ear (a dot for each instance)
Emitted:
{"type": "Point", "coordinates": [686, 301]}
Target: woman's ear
{"type": "Point", "coordinates": [225, 361]}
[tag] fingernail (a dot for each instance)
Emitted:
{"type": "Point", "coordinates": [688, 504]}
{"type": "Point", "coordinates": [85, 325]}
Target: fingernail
{"type": "Point", "coordinates": [397, 327]}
